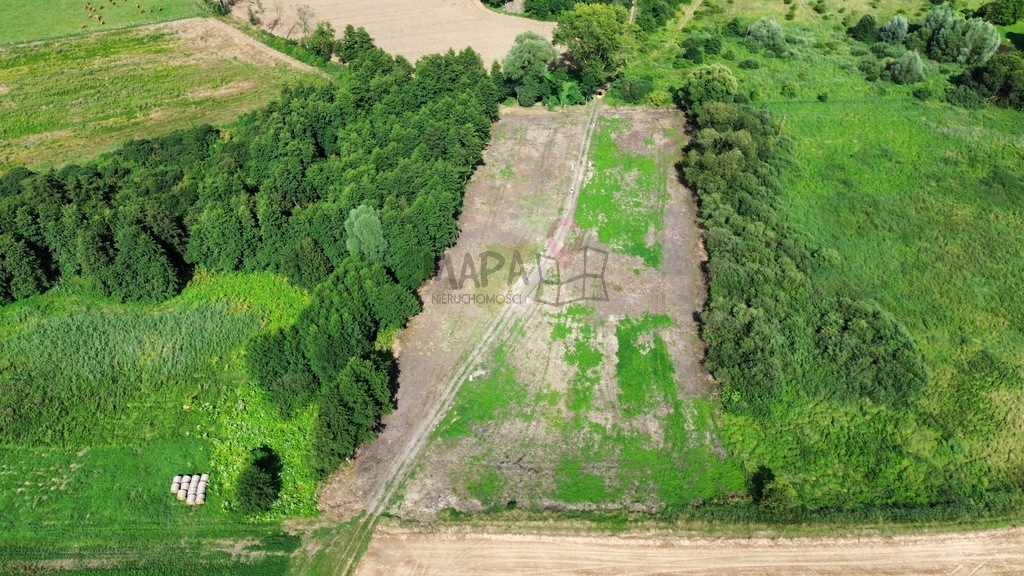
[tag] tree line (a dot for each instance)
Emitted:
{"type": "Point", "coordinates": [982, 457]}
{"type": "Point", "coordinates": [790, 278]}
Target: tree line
{"type": "Point", "coordinates": [352, 191]}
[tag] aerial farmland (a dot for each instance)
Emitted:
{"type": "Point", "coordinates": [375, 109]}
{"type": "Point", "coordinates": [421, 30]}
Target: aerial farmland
{"type": "Point", "coordinates": [475, 287]}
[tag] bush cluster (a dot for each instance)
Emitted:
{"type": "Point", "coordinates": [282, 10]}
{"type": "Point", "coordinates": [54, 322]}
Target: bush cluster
{"type": "Point", "coordinates": [771, 333]}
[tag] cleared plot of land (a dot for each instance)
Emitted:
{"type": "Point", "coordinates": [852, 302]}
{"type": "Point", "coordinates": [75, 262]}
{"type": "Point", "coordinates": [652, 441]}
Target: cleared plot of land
{"type": "Point", "coordinates": [600, 404]}
{"type": "Point", "coordinates": [511, 202]}
{"type": "Point", "coordinates": [73, 99]}
{"type": "Point", "coordinates": [413, 28]}
{"type": "Point", "coordinates": [28, 20]}
{"type": "Point", "coordinates": [396, 553]}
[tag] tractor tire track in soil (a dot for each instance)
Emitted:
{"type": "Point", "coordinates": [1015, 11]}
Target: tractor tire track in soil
{"type": "Point", "coordinates": [460, 552]}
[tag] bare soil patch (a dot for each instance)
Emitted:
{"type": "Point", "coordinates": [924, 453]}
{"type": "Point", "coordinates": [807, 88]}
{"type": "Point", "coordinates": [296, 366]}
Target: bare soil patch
{"type": "Point", "coordinates": [520, 453]}
{"type": "Point", "coordinates": [511, 202]}
{"type": "Point", "coordinates": [453, 553]}
{"type": "Point", "coordinates": [210, 39]}
{"type": "Point", "coordinates": [411, 28]}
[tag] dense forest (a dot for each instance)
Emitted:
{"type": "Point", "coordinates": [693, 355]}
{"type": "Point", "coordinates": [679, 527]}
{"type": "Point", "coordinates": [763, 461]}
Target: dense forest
{"type": "Point", "coordinates": [351, 191]}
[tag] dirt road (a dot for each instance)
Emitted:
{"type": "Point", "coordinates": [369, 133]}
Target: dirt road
{"type": "Point", "coordinates": [395, 553]}
{"type": "Point", "coordinates": [412, 29]}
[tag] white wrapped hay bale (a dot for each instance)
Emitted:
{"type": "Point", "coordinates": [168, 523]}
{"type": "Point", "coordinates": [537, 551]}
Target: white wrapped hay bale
{"type": "Point", "coordinates": [175, 487]}
{"type": "Point", "coordinates": [204, 478]}
{"type": "Point", "coordinates": [182, 494]}
{"type": "Point", "coordinates": [191, 499]}
{"type": "Point", "coordinates": [200, 499]}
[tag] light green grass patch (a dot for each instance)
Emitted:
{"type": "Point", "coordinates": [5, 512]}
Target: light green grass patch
{"type": "Point", "coordinates": [28, 20]}
{"type": "Point", "coordinates": [624, 201]}
{"type": "Point", "coordinates": [921, 203]}
{"type": "Point", "coordinates": [73, 99]}
{"type": "Point", "coordinates": [484, 399]}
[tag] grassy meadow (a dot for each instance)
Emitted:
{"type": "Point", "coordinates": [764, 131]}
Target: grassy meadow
{"type": "Point", "coordinates": [922, 203]}
{"type": "Point", "coordinates": [911, 203]}
{"type": "Point", "coordinates": [72, 99]}
{"type": "Point", "coordinates": [145, 392]}
{"type": "Point", "coordinates": [32, 20]}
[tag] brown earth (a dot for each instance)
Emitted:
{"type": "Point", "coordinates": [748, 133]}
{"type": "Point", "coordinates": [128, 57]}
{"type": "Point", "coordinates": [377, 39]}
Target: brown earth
{"type": "Point", "coordinates": [396, 552]}
{"type": "Point", "coordinates": [526, 444]}
{"type": "Point", "coordinates": [511, 203]}
{"type": "Point", "coordinates": [412, 29]}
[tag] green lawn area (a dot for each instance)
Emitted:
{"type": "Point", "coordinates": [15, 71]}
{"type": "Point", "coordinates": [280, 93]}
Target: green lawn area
{"type": "Point", "coordinates": [73, 99]}
{"type": "Point", "coordinates": [29, 20]}
{"type": "Point", "coordinates": [922, 203]}
{"type": "Point", "coordinates": [1014, 34]}
{"type": "Point", "coordinates": [145, 392]}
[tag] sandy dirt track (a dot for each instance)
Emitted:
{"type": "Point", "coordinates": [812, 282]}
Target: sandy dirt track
{"type": "Point", "coordinates": [413, 28]}
{"type": "Point", "coordinates": [396, 552]}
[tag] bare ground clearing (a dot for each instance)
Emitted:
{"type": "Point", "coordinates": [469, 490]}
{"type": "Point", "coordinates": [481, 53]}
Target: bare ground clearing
{"type": "Point", "coordinates": [396, 552]}
{"type": "Point", "coordinates": [510, 202]}
{"type": "Point", "coordinates": [412, 29]}
{"type": "Point", "coordinates": [519, 453]}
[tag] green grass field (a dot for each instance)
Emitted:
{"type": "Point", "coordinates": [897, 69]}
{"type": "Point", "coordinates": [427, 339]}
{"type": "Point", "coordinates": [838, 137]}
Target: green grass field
{"type": "Point", "coordinates": [30, 20]}
{"type": "Point", "coordinates": [72, 99]}
{"type": "Point", "coordinates": [922, 203]}
{"type": "Point", "coordinates": [625, 197]}
{"type": "Point", "coordinates": [916, 204]}
{"type": "Point", "coordinates": [146, 392]}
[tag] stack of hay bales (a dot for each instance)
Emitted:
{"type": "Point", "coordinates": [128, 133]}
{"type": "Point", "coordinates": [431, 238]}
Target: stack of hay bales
{"type": "Point", "coordinates": [191, 488]}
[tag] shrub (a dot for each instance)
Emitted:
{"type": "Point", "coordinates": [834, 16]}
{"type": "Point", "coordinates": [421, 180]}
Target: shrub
{"type": "Point", "coordinates": [1001, 78]}
{"type": "Point", "coordinates": [694, 54]}
{"type": "Point", "coordinates": [823, 97]}
{"type": "Point", "coordinates": [866, 29]}
{"type": "Point", "coordinates": [750, 64]}
{"type": "Point", "coordinates": [734, 28]}
{"type": "Point", "coordinates": [633, 90]}
{"type": "Point", "coordinates": [789, 90]}
{"type": "Point", "coordinates": [259, 483]}
{"type": "Point", "coordinates": [894, 31]}
{"type": "Point", "coordinates": [871, 68]}
{"type": "Point", "coordinates": [964, 97]}
{"type": "Point", "coordinates": [907, 69]}
{"type": "Point", "coordinates": [1002, 12]}
{"type": "Point", "coordinates": [713, 45]}
{"type": "Point", "coordinates": [884, 50]}
{"type": "Point", "coordinates": [953, 38]}
{"type": "Point", "coordinates": [767, 33]}
{"type": "Point", "coordinates": [322, 41]}
{"type": "Point", "coordinates": [923, 93]}
{"type": "Point", "coordinates": [710, 83]}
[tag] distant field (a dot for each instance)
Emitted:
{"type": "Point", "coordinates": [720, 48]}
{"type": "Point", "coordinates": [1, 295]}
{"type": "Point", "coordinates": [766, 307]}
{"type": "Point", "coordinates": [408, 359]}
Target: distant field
{"type": "Point", "coordinates": [73, 99]}
{"type": "Point", "coordinates": [411, 29]}
{"type": "Point", "coordinates": [28, 20]}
